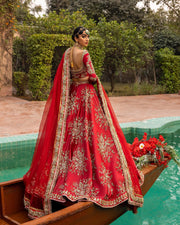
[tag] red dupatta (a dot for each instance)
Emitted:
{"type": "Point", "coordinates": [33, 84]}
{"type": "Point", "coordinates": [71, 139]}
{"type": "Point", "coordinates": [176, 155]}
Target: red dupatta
{"type": "Point", "coordinates": [133, 177]}
{"type": "Point", "coordinates": [37, 179]}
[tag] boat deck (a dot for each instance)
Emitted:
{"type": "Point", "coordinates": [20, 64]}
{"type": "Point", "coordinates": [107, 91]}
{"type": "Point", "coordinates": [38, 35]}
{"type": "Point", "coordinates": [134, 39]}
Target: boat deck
{"type": "Point", "coordinates": [2, 222]}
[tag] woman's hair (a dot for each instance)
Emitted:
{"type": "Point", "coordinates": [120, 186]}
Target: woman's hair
{"type": "Point", "coordinates": [77, 31]}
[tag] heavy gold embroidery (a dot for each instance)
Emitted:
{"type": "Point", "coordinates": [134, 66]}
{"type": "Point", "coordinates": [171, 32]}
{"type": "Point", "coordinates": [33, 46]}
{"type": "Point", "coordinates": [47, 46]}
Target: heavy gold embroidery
{"type": "Point", "coordinates": [106, 179]}
{"type": "Point", "coordinates": [76, 129]}
{"type": "Point", "coordinates": [78, 162]}
{"type": "Point", "coordinates": [93, 79]}
{"type": "Point", "coordinates": [105, 147]}
{"type": "Point", "coordinates": [86, 94]}
{"type": "Point", "coordinates": [118, 167]}
{"type": "Point", "coordinates": [101, 118]}
{"type": "Point", "coordinates": [64, 164]}
{"type": "Point", "coordinates": [59, 196]}
{"type": "Point", "coordinates": [81, 129]}
{"type": "Point", "coordinates": [94, 192]}
{"type": "Point", "coordinates": [73, 104]}
{"type": "Point", "coordinates": [82, 188]}
{"type": "Point", "coordinates": [121, 188]}
{"type": "Point", "coordinates": [89, 65]}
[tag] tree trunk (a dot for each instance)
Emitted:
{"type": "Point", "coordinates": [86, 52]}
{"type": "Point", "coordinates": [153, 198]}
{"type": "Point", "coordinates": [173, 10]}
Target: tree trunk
{"type": "Point", "coordinates": [112, 83]}
{"type": "Point", "coordinates": [111, 75]}
{"type": "Point", "coordinates": [136, 77]}
{"type": "Point", "coordinates": [154, 72]}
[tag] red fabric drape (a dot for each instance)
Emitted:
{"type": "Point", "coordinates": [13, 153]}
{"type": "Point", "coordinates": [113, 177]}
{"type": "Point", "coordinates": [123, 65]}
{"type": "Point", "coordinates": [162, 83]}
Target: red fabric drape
{"type": "Point", "coordinates": [42, 159]}
{"type": "Point", "coordinates": [137, 177]}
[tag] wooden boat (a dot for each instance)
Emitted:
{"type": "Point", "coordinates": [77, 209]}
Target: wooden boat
{"type": "Point", "coordinates": [12, 209]}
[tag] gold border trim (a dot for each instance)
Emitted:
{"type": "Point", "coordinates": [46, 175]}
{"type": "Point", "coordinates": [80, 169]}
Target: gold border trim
{"type": "Point", "coordinates": [60, 131]}
{"type": "Point", "coordinates": [133, 198]}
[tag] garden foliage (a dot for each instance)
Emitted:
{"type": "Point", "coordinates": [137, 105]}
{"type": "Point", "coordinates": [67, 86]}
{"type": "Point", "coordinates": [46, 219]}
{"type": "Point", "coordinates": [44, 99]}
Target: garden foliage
{"type": "Point", "coordinates": [120, 51]}
{"type": "Point", "coordinates": [126, 48]}
{"type": "Point", "coordinates": [7, 18]}
{"type": "Point", "coordinates": [170, 69]}
{"type": "Point", "coordinates": [118, 10]}
{"type": "Point", "coordinates": [20, 82]}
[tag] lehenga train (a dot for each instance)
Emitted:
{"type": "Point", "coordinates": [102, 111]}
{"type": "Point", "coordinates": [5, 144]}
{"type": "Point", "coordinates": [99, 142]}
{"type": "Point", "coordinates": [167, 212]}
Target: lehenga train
{"type": "Point", "coordinates": [81, 152]}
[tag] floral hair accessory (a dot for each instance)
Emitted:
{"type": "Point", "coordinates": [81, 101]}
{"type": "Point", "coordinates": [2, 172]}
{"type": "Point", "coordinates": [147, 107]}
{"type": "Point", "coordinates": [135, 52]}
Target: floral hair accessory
{"type": "Point", "coordinates": [87, 32]}
{"type": "Point", "coordinates": [82, 29]}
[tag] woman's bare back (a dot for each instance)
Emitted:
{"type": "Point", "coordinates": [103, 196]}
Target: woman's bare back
{"type": "Point", "coordinates": [76, 58]}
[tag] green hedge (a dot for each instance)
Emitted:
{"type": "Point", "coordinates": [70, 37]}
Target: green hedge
{"type": "Point", "coordinates": [170, 69]}
{"type": "Point", "coordinates": [20, 55]}
{"type": "Point", "coordinates": [40, 49]}
{"type": "Point", "coordinates": [20, 82]}
{"type": "Point", "coordinates": [96, 50]}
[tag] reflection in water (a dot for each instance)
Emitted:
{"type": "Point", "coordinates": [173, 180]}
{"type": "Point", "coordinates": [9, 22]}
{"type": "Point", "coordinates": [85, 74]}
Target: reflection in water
{"type": "Point", "coordinates": [162, 202]}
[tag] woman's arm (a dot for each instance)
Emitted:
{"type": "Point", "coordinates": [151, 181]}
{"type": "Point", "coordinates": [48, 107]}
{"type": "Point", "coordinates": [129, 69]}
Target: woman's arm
{"type": "Point", "coordinates": [90, 69]}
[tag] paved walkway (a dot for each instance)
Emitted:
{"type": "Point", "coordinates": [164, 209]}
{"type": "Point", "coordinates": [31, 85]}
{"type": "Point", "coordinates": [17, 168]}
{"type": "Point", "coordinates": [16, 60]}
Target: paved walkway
{"type": "Point", "coordinates": [18, 116]}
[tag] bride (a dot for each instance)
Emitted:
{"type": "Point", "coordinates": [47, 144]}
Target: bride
{"type": "Point", "coordinates": [81, 153]}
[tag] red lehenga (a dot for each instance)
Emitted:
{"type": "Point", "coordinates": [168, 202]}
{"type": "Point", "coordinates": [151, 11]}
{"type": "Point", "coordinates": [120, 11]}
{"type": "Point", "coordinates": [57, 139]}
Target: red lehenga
{"type": "Point", "coordinates": [81, 152]}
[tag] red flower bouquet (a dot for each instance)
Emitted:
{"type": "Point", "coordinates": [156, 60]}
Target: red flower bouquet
{"type": "Point", "coordinates": [152, 150]}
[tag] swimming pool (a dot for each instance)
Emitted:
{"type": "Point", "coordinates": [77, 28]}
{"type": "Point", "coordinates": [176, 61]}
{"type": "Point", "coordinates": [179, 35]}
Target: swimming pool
{"type": "Point", "coordinates": [161, 202]}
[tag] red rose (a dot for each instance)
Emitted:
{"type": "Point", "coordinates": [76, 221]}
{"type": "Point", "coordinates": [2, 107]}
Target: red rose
{"type": "Point", "coordinates": [145, 136]}
{"type": "Point", "coordinates": [135, 140]}
{"type": "Point", "coordinates": [161, 138]}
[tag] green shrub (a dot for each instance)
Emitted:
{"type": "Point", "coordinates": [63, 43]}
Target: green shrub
{"type": "Point", "coordinates": [166, 38]}
{"type": "Point", "coordinates": [96, 50]}
{"type": "Point", "coordinates": [170, 69]}
{"type": "Point", "coordinates": [40, 49]}
{"type": "Point", "coordinates": [20, 62]}
{"type": "Point", "coordinates": [19, 82]}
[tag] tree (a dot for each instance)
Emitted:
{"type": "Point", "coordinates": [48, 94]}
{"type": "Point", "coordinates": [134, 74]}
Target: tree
{"type": "Point", "coordinates": [63, 23]}
{"type": "Point", "coordinates": [57, 5]}
{"type": "Point", "coordinates": [25, 13]}
{"type": "Point", "coordinates": [172, 5]}
{"type": "Point", "coordinates": [125, 48]}
{"type": "Point", "coordinates": [163, 26]}
{"type": "Point", "coordinates": [173, 13]}
{"type": "Point", "coordinates": [7, 18]}
{"type": "Point", "coordinates": [26, 21]}
{"type": "Point", "coordinates": [154, 21]}
{"type": "Point", "coordinates": [167, 39]}
{"type": "Point", "coordinates": [7, 25]}
{"type": "Point", "coordinates": [7, 9]}
{"type": "Point", "coordinates": [119, 10]}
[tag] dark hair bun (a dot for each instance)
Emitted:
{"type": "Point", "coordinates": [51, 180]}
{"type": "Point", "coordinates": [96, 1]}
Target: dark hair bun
{"type": "Point", "coordinates": [77, 31]}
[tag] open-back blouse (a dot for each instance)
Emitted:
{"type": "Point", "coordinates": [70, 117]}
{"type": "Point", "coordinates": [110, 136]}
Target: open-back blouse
{"type": "Point", "coordinates": [84, 69]}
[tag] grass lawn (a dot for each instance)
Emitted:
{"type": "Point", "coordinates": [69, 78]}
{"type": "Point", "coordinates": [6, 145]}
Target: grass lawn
{"type": "Point", "coordinates": [133, 89]}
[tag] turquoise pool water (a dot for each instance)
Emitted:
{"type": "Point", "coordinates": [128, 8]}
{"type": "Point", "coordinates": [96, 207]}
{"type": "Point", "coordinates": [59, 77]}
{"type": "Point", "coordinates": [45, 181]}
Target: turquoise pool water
{"type": "Point", "coordinates": [162, 202]}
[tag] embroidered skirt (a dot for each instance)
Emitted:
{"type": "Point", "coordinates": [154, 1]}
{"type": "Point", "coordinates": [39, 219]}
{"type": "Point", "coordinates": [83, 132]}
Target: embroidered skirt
{"type": "Point", "coordinates": [90, 167]}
